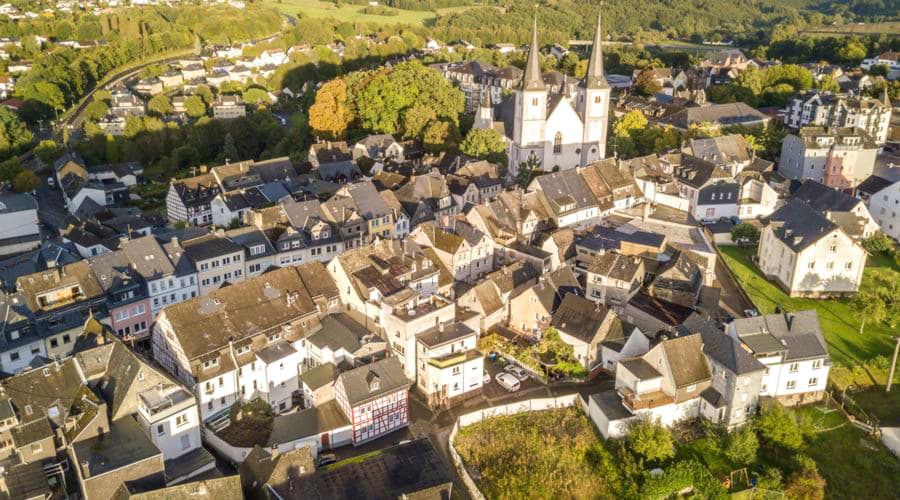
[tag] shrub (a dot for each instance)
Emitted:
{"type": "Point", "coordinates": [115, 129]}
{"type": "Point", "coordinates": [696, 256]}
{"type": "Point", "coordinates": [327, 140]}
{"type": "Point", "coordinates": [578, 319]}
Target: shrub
{"type": "Point", "coordinates": [685, 474]}
{"type": "Point", "coordinates": [748, 231]}
{"type": "Point", "coordinates": [650, 440]}
{"type": "Point", "coordinates": [741, 446]}
{"type": "Point", "coordinates": [769, 479]}
{"type": "Point", "coordinates": [806, 485]}
{"type": "Point", "coordinates": [878, 243]}
{"type": "Point", "coordinates": [779, 427]}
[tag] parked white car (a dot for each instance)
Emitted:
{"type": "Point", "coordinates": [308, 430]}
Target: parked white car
{"type": "Point", "coordinates": [517, 371]}
{"type": "Point", "coordinates": [508, 382]}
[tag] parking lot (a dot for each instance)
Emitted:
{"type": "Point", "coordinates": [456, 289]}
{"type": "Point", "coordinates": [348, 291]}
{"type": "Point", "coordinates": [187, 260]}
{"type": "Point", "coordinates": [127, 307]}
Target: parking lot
{"type": "Point", "coordinates": [495, 390]}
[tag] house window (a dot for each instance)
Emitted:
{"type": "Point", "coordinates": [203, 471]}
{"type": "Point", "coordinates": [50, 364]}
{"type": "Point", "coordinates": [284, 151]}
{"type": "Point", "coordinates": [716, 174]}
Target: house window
{"type": "Point", "coordinates": [557, 143]}
{"type": "Point", "coordinates": [160, 430]}
{"type": "Point", "coordinates": [181, 420]}
{"type": "Point", "coordinates": [692, 388]}
{"type": "Point", "coordinates": [793, 367]}
{"type": "Point", "coordinates": [812, 265]}
{"type": "Point", "coordinates": [791, 384]}
{"type": "Point", "coordinates": [813, 381]}
{"type": "Point", "coordinates": [832, 248]}
{"type": "Point", "coordinates": [185, 441]}
{"type": "Point", "coordinates": [848, 266]}
{"type": "Point", "coordinates": [456, 370]}
{"type": "Point", "coordinates": [817, 364]}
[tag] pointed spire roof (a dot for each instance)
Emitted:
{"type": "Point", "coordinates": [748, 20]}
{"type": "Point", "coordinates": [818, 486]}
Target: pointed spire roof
{"type": "Point", "coordinates": [885, 98]}
{"type": "Point", "coordinates": [532, 79]}
{"type": "Point", "coordinates": [594, 78]}
{"type": "Point", "coordinates": [486, 101]}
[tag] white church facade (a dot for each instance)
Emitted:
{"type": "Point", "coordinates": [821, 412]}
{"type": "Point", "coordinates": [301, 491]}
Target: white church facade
{"type": "Point", "coordinates": [559, 130]}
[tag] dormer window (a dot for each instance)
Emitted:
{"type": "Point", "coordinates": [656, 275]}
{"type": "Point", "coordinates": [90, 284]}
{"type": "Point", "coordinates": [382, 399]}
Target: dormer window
{"type": "Point", "coordinates": [272, 337]}
{"type": "Point", "coordinates": [210, 363]}
{"type": "Point", "coordinates": [242, 350]}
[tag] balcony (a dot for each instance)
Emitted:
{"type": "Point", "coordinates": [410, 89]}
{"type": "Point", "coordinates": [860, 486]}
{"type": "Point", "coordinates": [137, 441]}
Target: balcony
{"type": "Point", "coordinates": [644, 401]}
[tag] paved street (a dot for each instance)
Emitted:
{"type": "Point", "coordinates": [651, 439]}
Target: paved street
{"type": "Point", "coordinates": [51, 208]}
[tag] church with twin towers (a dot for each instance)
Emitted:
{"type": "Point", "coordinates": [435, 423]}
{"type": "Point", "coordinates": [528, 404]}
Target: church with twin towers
{"type": "Point", "coordinates": [560, 126]}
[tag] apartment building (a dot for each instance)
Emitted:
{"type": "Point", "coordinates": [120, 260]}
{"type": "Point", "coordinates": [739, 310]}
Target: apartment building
{"type": "Point", "coordinates": [792, 348]}
{"type": "Point", "coordinates": [809, 255]}
{"type": "Point", "coordinates": [243, 342]}
{"type": "Point", "coordinates": [839, 158]}
{"type": "Point", "coordinates": [826, 109]}
{"type": "Point", "coordinates": [217, 260]}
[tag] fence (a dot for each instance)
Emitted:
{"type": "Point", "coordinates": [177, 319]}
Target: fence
{"type": "Point", "coordinates": [537, 404]}
{"type": "Point", "coordinates": [856, 415]}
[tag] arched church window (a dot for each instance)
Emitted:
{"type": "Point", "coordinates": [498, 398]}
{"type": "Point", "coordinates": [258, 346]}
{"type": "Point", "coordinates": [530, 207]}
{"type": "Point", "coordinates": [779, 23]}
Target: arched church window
{"type": "Point", "coordinates": [557, 143]}
{"type": "Point", "coordinates": [534, 101]}
{"type": "Point", "coordinates": [598, 99]}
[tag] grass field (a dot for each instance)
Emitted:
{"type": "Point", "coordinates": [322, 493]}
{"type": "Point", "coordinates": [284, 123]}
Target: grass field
{"type": "Point", "coordinates": [887, 28]}
{"type": "Point", "coordinates": [352, 13]}
{"type": "Point", "coordinates": [839, 323]}
{"type": "Point", "coordinates": [532, 455]}
{"type": "Point", "coordinates": [854, 464]}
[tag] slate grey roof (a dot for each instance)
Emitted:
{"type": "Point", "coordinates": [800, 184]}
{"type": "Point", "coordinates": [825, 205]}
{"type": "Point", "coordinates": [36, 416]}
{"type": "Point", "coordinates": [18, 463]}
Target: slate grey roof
{"type": "Point", "coordinates": [123, 444]}
{"type": "Point", "coordinates": [566, 186]}
{"type": "Point", "coordinates": [16, 202]}
{"type": "Point", "coordinates": [579, 317]}
{"type": "Point", "coordinates": [319, 376]}
{"type": "Point", "coordinates": [209, 247]}
{"type": "Point", "coordinates": [798, 333]}
{"type": "Point", "coordinates": [723, 193]}
{"type": "Point", "coordinates": [798, 225]}
{"type": "Point", "coordinates": [610, 403]}
{"type": "Point", "coordinates": [359, 384]}
{"type": "Point", "coordinates": [823, 198]}
{"type": "Point", "coordinates": [721, 348]}
{"type": "Point", "coordinates": [368, 201]}
{"type": "Point", "coordinates": [734, 113]}
{"type": "Point", "coordinates": [696, 172]}
{"type": "Point", "coordinates": [339, 331]}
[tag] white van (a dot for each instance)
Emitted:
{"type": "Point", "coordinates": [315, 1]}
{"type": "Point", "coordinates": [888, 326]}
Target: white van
{"type": "Point", "coordinates": [508, 381]}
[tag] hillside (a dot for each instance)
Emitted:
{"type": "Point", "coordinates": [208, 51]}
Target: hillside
{"type": "Point", "coordinates": [561, 20]}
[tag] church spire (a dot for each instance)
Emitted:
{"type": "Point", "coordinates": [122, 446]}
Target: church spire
{"type": "Point", "coordinates": [532, 79]}
{"type": "Point", "coordinates": [594, 78]}
{"type": "Point", "coordinates": [885, 98]}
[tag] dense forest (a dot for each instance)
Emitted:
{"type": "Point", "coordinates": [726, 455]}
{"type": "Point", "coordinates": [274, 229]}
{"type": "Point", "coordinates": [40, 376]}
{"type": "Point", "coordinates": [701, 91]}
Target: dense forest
{"type": "Point", "coordinates": [561, 20]}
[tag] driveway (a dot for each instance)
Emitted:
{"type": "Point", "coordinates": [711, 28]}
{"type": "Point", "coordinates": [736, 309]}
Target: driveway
{"type": "Point", "coordinates": [731, 301]}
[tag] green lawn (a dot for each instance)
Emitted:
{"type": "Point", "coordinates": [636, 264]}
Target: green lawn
{"type": "Point", "coordinates": [839, 323]}
{"type": "Point", "coordinates": [854, 464]}
{"type": "Point", "coordinates": [891, 28]}
{"type": "Point", "coordinates": [351, 13]}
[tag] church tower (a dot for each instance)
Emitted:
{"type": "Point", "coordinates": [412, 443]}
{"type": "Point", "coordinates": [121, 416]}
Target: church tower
{"type": "Point", "coordinates": [530, 118]}
{"type": "Point", "coordinates": [484, 117]}
{"type": "Point", "coordinates": [593, 104]}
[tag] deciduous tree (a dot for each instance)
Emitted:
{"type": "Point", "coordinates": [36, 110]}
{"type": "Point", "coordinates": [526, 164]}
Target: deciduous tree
{"type": "Point", "coordinates": [331, 115]}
